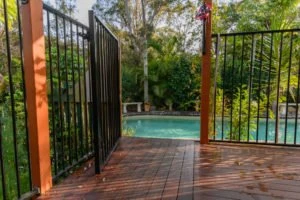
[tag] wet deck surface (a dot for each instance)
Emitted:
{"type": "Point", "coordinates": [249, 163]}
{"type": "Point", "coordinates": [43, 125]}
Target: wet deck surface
{"type": "Point", "coordinates": [179, 169]}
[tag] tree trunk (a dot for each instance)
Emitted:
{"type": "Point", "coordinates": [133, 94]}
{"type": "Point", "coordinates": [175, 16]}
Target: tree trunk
{"type": "Point", "coordinates": [145, 55]}
{"type": "Point", "coordinates": [145, 62]}
{"type": "Point", "coordinates": [170, 107]}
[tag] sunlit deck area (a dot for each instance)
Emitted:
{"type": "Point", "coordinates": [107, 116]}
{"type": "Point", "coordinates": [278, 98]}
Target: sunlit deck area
{"type": "Point", "coordinates": [182, 169]}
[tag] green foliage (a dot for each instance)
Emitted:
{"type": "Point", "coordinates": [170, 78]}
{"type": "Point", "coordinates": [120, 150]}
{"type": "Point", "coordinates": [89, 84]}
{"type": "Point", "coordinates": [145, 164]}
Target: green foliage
{"type": "Point", "coordinates": [11, 13]}
{"type": "Point", "coordinates": [255, 15]}
{"type": "Point", "coordinates": [140, 47]}
{"type": "Point", "coordinates": [174, 75]}
{"type": "Point", "coordinates": [8, 155]}
{"type": "Point", "coordinates": [6, 117]}
{"type": "Point", "coordinates": [240, 115]}
{"type": "Point", "coordinates": [131, 85]}
{"type": "Point", "coordinates": [182, 83]}
{"type": "Point", "coordinates": [219, 103]}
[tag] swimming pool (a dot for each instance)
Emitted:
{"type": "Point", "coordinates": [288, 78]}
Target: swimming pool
{"type": "Point", "coordinates": [189, 128]}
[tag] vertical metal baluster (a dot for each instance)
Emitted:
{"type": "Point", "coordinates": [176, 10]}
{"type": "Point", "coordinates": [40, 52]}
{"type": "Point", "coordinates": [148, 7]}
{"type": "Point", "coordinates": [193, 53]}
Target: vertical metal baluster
{"type": "Point", "coordinates": [79, 85]}
{"type": "Point", "coordinates": [118, 114]}
{"type": "Point", "coordinates": [85, 95]}
{"type": "Point", "coordinates": [104, 89]}
{"type": "Point", "coordinates": [12, 99]}
{"type": "Point", "coordinates": [278, 91]}
{"type": "Point", "coordinates": [259, 86]}
{"type": "Point", "coordinates": [24, 93]}
{"type": "Point", "coordinates": [114, 91]}
{"type": "Point", "coordinates": [215, 98]}
{"type": "Point", "coordinates": [100, 89]}
{"type": "Point", "coordinates": [55, 157]}
{"type": "Point", "coordinates": [117, 87]}
{"type": "Point", "coordinates": [269, 86]}
{"type": "Point", "coordinates": [223, 83]}
{"type": "Point", "coordinates": [67, 92]}
{"type": "Point", "coordinates": [2, 169]}
{"type": "Point", "coordinates": [74, 96]}
{"type": "Point", "coordinates": [288, 88]}
{"type": "Point", "coordinates": [241, 86]}
{"type": "Point", "coordinates": [100, 75]}
{"type": "Point", "coordinates": [250, 85]}
{"type": "Point", "coordinates": [94, 80]}
{"type": "Point", "coordinates": [297, 105]}
{"type": "Point", "coordinates": [215, 84]}
{"type": "Point", "coordinates": [91, 97]}
{"type": "Point", "coordinates": [112, 108]}
{"type": "Point", "coordinates": [109, 93]}
{"type": "Point", "coordinates": [59, 95]}
{"type": "Point", "coordinates": [106, 94]}
{"type": "Point", "coordinates": [119, 77]}
{"type": "Point", "coordinates": [232, 75]}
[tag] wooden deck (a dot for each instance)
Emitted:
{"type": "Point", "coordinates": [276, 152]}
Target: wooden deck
{"type": "Point", "coordinates": [180, 169]}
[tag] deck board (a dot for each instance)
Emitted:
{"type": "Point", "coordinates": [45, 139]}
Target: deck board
{"type": "Point", "coordinates": [182, 169]}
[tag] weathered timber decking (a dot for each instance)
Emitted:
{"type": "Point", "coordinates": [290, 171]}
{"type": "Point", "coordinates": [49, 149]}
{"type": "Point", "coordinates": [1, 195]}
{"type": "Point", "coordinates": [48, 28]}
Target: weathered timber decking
{"type": "Point", "coordinates": [181, 169]}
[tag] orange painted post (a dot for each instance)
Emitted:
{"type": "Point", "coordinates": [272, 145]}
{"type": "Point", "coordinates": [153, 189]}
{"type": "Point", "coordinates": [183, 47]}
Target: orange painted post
{"type": "Point", "coordinates": [205, 90]}
{"type": "Point", "coordinates": [36, 90]}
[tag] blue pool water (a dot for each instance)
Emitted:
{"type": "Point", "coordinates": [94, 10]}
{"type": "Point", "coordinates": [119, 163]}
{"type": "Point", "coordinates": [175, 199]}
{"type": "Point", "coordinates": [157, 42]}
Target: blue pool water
{"type": "Point", "coordinates": [165, 127]}
{"type": "Point", "coordinates": [189, 128]}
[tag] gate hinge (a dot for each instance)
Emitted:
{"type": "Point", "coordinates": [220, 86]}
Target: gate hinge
{"type": "Point", "coordinates": [85, 35]}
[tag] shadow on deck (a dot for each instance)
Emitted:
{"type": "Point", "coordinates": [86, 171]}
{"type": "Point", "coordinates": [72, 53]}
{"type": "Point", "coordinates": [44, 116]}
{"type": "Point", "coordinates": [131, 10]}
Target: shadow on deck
{"type": "Point", "coordinates": [180, 169]}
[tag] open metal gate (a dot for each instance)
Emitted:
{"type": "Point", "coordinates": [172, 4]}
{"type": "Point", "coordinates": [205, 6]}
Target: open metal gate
{"type": "Point", "coordinates": [106, 90]}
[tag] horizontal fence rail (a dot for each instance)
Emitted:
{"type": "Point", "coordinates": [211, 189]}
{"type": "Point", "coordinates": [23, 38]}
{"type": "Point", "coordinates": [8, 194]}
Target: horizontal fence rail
{"type": "Point", "coordinates": [69, 91]}
{"type": "Point", "coordinates": [105, 63]}
{"type": "Point", "coordinates": [15, 174]}
{"type": "Point", "coordinates": [256, 87]}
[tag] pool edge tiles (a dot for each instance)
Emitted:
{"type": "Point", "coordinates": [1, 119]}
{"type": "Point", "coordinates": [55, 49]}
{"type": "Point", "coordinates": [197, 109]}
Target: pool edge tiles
{"type": "Point", "coordinates": [141, 117]}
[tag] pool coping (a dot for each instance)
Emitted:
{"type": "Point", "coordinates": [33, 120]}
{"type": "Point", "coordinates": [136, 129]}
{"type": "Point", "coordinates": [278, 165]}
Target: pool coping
{"type": "Point", "coordinates": [145, 117]}
{"type": "Point", "coordinates": [179, 115]}
{"type": "Point", "coordinates": [163, 113]}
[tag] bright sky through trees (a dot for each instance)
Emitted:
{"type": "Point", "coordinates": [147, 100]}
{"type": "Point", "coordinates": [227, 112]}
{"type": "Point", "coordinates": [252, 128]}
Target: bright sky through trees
{"type": "Point", "coordinates": [82, 8]}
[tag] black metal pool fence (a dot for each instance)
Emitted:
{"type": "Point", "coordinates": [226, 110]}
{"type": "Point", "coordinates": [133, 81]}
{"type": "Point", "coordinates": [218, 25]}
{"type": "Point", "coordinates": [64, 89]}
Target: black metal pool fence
{"type": "Point", "coordinates": [15, 179]}
{"type": "Point", "coordinates": [83, 88]}
{"type": "Point", "coordinates": [256, 80]}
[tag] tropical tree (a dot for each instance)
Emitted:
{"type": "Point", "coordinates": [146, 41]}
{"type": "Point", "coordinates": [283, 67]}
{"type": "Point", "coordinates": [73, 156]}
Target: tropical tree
{"type": "Point", "coordinates": [139, 19]}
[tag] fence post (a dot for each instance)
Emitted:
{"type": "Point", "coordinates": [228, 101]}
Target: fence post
{"type": "Point", "coordinates": [95, 72]}
{"type": "Point", "coordinates": [205, 90]}
{"type": "Point", "coordinates": [36, 90]}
